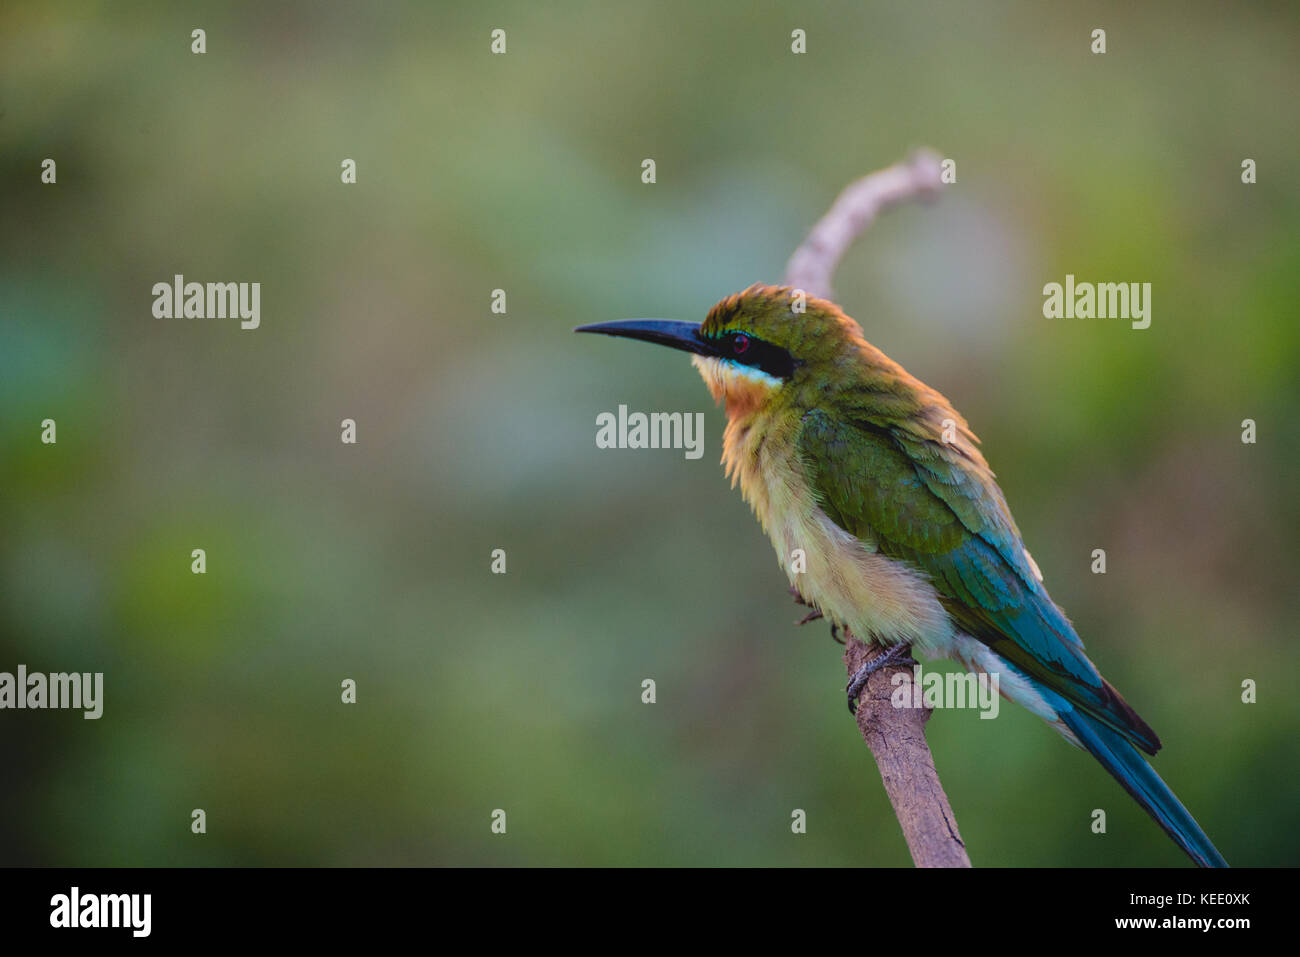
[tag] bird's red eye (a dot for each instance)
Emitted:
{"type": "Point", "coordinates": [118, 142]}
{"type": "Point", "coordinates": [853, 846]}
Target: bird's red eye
{"type": "Point", "coordinates": [739, 343]}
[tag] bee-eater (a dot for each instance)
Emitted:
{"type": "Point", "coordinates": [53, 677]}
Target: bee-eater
{"type": "Point", "coordinates": [906, 537]}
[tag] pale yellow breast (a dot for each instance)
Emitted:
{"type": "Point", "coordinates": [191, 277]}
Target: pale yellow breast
{"type": "Point", "coordinates": [875, 596]}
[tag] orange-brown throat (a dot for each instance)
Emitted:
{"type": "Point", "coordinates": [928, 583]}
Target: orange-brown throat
{"type": "Point", "coordinates": [742, 394]}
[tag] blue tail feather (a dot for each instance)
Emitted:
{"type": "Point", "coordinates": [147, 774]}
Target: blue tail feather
{"type": "Point", "coordinates": [1140, 780]}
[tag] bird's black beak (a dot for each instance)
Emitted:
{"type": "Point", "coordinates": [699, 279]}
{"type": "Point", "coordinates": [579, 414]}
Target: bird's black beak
{"type": "Point", "coordinates": [673, 333]}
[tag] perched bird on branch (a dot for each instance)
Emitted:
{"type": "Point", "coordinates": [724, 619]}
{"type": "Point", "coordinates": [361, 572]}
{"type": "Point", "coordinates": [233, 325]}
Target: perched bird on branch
{"type": "Point", "coordinates": [907, 538]}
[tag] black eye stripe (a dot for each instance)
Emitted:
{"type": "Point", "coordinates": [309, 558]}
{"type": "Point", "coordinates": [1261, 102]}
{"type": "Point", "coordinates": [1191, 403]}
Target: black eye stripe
{"type": "Point", "coordinates": [750, 351]}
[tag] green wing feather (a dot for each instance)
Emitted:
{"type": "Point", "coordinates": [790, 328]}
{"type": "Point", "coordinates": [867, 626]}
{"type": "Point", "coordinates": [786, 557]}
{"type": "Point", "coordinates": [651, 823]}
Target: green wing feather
{"type": "Point", "coordinates": [927, 503]}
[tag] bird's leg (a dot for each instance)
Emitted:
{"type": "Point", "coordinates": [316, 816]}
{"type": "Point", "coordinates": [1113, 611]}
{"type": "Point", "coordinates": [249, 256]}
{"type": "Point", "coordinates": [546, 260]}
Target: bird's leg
{"type": "Point", "coordinates": [800, 600]}
{"type": "Point", "coordinates": [893, 656]}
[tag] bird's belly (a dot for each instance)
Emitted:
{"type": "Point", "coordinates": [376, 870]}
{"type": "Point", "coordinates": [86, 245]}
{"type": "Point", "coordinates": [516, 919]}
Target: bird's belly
{"type": "Point", "coordinates": [877, 597]}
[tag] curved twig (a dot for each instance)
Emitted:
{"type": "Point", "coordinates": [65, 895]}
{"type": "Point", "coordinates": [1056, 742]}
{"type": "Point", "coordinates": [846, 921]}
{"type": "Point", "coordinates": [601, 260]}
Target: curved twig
{"type": "Point", "coordinates": [814, 262]}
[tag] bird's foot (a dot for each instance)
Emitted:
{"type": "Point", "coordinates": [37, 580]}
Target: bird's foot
{"type": "Point", "coordinates": [895, 655]}
{"type": "Point", "coordinates": [800, 600]}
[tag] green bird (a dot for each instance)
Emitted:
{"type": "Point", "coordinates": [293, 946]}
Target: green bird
{"type": "Point", "coordinates": [907, 540]}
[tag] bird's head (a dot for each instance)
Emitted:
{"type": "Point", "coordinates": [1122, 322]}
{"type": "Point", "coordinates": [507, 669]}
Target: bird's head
{"type": "Point", "coordinates": [758, 346]}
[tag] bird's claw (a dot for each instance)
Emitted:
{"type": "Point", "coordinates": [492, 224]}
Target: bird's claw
{"type": "Point", "coordinates": [895, 655]}
{"type": "Point", "coordinates": [800, 600]}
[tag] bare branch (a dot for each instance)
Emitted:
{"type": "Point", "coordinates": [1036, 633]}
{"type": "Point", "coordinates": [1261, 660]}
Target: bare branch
{"type": "Point", "coordinates": [814, 262]}
{"type": "Point", "coordinates": [896, 736]}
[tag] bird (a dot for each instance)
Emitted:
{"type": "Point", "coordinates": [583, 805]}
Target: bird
{"type": "Point", "coordinates": [905, 537]}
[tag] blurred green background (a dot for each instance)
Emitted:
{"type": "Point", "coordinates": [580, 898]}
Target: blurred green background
{"type": "Point", "coordinates": [476, 431]}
